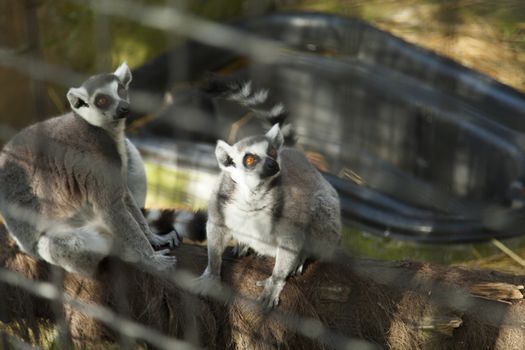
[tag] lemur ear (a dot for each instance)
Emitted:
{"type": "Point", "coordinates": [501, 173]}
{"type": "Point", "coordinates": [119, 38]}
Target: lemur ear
{"type": "Point", "coordinates": [77, 97]}
{"type": "Point", "coordinates": [224, 154]}
{"type": "Point", "coordinates": [275, 136]}
{"type": "Point", "coordinates": [123, 74]}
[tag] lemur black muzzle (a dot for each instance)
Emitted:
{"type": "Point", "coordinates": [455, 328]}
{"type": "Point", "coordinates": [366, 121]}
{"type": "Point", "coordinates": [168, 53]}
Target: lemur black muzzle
{"type": "Point", "coordinates": [122, 110]}
{"type": "Point", "coordinates": [270, 167]}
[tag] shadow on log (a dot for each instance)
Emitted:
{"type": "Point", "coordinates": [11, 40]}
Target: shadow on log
{"type": "Point", "coordinates": [404, 305]}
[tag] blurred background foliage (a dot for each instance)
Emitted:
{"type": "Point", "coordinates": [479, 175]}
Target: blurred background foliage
{"type": "Point", "coordinates": [485, 35]}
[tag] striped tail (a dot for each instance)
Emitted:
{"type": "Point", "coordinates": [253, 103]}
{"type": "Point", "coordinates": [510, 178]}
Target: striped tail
{"type": "Point", "coordinates": [255, 100]}
{"type": "Point", "coordinates": [189, 225]}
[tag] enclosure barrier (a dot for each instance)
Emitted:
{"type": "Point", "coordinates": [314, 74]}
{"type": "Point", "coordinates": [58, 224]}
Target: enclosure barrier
{"type": "Point", "coordinates": [399, 305]}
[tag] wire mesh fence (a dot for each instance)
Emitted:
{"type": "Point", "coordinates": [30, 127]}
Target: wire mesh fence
{"type": "Point", "coordinates": [418, 147]}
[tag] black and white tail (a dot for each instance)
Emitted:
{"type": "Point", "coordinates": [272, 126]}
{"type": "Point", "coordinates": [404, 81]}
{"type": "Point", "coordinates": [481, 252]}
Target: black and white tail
{"type": "Point", "coordinates": [186, 224]}
{"type": "Point", "coordinates": [253, 99]}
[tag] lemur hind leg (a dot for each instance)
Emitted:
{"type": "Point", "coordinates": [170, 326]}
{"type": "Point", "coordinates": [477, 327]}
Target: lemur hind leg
{"type": "Point", "coordinates": [23, 232]}
{"type": "Point", "coordinates": [78, 250]}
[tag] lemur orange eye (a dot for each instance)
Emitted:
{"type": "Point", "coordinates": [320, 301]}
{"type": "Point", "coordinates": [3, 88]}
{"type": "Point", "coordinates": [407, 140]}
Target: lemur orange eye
{"type": "Point", "coordinates": [102, 101]}
{"type": "Point", "coordinates": [272, 152]}
{"type": "Point", "coordinates": [249, 160]}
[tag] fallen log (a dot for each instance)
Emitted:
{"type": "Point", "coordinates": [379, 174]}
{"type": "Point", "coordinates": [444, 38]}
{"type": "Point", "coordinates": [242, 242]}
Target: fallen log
{"type": "Point", "coordinates": [400, 305]}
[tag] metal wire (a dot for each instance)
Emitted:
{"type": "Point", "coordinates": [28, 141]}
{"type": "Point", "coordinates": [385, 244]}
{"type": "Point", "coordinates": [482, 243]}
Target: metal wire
{"type": "Point", "coordinates": [176, 20]}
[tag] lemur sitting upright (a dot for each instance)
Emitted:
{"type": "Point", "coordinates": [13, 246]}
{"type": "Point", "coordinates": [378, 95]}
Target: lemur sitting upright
{"type": "Point", "coordinates": [71, 186]}
{"type": "Point", "coordinates": [270, 198]}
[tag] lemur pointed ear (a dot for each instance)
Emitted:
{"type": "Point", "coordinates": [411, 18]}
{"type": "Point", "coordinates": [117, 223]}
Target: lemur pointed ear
{"type": "Point", "coordinates": [275, 136]}
{"type": "Point", "coordinates": [124, 74]}
{"type": "Point", "coordinates": [224, 154]}
{"type": "Point", "coordinates": [77, 97]}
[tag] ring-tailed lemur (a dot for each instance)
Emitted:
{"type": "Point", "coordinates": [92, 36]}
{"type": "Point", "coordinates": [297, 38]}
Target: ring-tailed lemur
{"type": "Point", "coordinates": [270, 198]}
{"type": "Point", "coordinates": [71, 186]}
{"type": "Point", "coordinates": [256, 101]}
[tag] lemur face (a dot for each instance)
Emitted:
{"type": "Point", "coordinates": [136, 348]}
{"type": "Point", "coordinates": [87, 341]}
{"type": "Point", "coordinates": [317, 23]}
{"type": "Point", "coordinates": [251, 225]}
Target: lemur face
{"type": "Point", "coordinates": [253, 161]}
{"type": "Point", "coordinates": [102, 99]}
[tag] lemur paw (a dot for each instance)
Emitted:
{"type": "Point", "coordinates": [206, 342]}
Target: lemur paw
{"type": "Point", "coordinates": [269, 297]}
{"type": "Point", "coordinates": [171, 239]}
{"type": "Point", "coordinates": [162, 261]}
{"type": "Point", "coordinates": [206, 284]}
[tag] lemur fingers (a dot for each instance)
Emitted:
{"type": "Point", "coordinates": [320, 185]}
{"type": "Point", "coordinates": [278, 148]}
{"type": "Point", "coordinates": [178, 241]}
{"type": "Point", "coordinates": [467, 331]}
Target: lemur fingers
{"type": "Point", "coordinates": [170, 239]}
{"type": "Point", "coordinates": [269, 298]}
{"type": "Point", "coordinates": [161, 260]}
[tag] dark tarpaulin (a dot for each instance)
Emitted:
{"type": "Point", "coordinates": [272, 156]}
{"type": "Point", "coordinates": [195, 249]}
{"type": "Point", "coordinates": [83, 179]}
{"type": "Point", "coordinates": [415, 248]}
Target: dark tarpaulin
{"type": "Point", "coordinates": [435, 147]}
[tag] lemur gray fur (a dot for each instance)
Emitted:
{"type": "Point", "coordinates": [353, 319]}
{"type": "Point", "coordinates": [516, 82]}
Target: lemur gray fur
{"type": "Point", "coordinates": [71, 186]}
{"type": "Point", "coordinates": [256, 101]}
{"type": "Point", "coordinates": [271, 199]}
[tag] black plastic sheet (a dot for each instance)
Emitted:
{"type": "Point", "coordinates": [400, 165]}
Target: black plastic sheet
{"type": "Point", "coordinates": [418, 146]}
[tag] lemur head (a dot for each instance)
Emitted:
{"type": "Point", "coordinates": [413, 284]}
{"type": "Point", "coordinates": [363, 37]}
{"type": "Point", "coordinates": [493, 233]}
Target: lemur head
{"type": "Point", "coordinates": [254, 161]}
{"type": "Point", "coordinates": [102, 99]}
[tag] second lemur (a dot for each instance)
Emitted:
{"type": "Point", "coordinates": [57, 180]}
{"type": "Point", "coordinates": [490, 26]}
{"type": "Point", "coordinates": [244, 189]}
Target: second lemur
{"type": "Point", "coordinates": [271, 199]}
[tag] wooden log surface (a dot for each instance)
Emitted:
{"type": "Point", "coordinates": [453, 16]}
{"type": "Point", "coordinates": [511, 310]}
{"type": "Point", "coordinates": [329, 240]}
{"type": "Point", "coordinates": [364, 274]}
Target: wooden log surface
{"type": "Point", "coordinates": [397, 305]}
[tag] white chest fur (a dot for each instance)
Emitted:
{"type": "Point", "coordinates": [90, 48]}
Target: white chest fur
{"type": "Point", "coordinates": [251, 227]}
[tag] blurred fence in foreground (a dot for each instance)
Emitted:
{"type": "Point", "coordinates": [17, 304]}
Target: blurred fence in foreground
{"type": "Point", "coordinates": [265, 52]}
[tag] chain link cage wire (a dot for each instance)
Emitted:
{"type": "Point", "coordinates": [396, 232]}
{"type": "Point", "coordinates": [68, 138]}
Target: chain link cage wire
{"type": "Point", "coordinates": [394, 305]}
